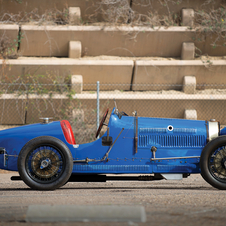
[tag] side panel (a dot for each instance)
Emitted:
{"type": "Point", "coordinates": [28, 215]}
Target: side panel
{"type": "Point", "coordinates": [171, 137]}
{"type": "Point", "coordinates": [14, 139]}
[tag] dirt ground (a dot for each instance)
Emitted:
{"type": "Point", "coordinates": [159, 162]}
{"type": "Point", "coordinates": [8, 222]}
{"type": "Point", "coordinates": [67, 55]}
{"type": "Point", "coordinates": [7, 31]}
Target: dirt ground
{"type": "Point", "coordinates": [188, 202]}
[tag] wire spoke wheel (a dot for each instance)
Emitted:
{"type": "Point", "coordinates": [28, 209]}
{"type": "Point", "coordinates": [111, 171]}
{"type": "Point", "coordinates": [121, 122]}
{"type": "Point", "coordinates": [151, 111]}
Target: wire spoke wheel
{"type": "Point", "coordinates": [45, 163]}
{"type": "Point", "coordinates": [213, 162]}
{"type": "Point", "coordinates": [217, 164]}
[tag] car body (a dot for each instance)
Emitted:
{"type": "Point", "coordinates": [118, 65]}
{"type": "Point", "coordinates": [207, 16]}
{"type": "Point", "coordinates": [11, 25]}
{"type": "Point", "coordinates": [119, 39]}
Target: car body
{"type": "Point", "coordinates": [47, 157]}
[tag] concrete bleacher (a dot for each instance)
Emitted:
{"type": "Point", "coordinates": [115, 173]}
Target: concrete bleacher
{"type": "Point", "coordinates": [60, 51]}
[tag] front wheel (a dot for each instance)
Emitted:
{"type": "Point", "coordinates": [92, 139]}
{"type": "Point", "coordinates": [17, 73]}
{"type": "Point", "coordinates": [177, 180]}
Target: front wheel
{"type": "Point", "coordinates": [213, 163]}
{"type": "Point", "coordinates": [45, 163]}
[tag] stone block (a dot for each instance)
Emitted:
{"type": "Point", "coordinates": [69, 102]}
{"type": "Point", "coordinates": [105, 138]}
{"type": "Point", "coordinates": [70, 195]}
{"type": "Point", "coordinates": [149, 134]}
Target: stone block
{"type": "Point", "coordinates": [77, 83]}
{"type": "Point", "coordinates": [188, 51]}
{"type": "Point", "coordinates": [189, 84]}
{"type": "Point", "coordinates": [187, 17]}
{"type": "Point", "coordinates": [72, 213]}
{"type": "Point", "coordinates": [190, 114]}
{"type": "Point", "coordinates": [74, 15]}
{"type": "Point", "coordinates": [75, 49]}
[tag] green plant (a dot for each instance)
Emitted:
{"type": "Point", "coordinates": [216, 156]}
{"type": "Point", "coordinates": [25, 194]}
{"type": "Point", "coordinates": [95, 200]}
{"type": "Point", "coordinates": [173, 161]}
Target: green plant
{"type": "Point", "coordinates": [8, 46]}
{"type": "Point", "coordinates": [211, 25]}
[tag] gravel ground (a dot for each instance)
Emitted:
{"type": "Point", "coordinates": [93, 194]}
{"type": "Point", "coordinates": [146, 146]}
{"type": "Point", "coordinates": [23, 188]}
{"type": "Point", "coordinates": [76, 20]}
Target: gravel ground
{"type": "Point", "coordinates": [188, 202]}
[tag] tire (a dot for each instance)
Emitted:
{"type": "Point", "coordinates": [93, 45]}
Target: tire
{"type": "Point", "coordinates": [45, 163]}
{"type": "Point", "coordinates": [213, 163]}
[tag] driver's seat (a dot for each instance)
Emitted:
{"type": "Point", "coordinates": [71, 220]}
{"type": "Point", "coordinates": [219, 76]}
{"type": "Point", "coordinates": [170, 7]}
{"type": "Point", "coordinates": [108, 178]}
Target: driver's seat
{"type": "Point", "coordinates": [67, 130]}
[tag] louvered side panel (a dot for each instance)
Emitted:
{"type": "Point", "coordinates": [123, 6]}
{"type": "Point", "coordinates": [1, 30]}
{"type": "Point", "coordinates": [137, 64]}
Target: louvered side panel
{"type": "Point", "coordinates": [172, 141]}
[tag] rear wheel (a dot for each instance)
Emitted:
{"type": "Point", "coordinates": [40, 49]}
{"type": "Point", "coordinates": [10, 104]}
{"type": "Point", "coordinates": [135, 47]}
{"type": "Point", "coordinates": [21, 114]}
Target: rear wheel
{"type": "Point", "coordinates": [45, 163]}
{"type": "Point", "coordinates": [213, 163]}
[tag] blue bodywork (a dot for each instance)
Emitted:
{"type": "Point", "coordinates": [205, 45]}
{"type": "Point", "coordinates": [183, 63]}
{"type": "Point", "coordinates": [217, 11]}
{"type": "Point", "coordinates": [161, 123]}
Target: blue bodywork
{"type": "Point", "coordinates": [178, 145]}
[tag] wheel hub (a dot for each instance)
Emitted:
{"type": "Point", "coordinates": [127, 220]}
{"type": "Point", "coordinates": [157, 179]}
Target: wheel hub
{"type": "Point", "coordinates": [45, 163]}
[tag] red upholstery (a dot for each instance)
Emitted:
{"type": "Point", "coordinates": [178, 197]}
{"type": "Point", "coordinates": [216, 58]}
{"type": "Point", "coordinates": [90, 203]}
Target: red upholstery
{"type": "Point", "coordinates": [68, 133]}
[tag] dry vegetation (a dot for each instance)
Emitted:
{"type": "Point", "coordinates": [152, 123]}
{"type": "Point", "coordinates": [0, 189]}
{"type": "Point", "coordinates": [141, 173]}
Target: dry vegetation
{"type": "Point", "coordinates": [114, 13]}
{"type": "Point", "coordinates": [121, 12]}
{"type": "Point", "coordinates": [50, 17]}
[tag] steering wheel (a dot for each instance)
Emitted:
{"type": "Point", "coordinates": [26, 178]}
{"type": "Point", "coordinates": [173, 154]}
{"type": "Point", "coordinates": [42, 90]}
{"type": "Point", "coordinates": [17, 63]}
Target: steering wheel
{"type": "Point", "coordinates": [102, 122]}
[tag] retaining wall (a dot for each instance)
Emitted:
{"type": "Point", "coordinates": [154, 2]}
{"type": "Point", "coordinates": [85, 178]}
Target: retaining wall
{"type": "Point", "coordinates": [149, 105]}
{"type": "Point", "coordinates": [9, 30]}
{"type": "Point", "coordinates": [49, 70]}
{"type": "Point", "coordinates": [90, 8]}
{"type": "Point", "coordinates": [171, 73]}
{"type": "Point", "coordinates": [147, 7]}
{"type": "Point", "coordinates": [12, 108]}
{"type": "Point", "coordinates": [9, 36]}
{"type": "Point", "coordinates": [28, 109]}
{"type": "Point", "coordinates": [115, 74]}
{"type": "Point", "coordinates": [87, 7]}
{"type": "Point", "coordinates": [113, 41]}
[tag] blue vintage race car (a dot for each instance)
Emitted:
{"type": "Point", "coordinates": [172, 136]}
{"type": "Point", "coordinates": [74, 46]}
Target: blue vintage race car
{"type": "Point", "coordinates": [47, 156]}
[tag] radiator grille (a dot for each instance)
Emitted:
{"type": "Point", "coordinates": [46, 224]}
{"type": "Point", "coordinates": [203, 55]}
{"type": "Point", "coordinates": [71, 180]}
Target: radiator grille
{"type": "Point", "coordinates": [172, 140]}
{"type": "Point", "coordinates": [153, 130]}
{"type": "Point", "coordinates": [164, 130]}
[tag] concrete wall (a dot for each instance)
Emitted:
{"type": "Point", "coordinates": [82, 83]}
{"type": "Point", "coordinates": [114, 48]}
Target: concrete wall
{"type": "Point", "coordinates": [171, 73]}
{"type": "Point", "coordinates": [90, 9]}
{"type": "Point", "coordinates": [12, 108]}
{"type": "Point", "coordinates": [148, 7]}
{"type": "Point", "coordinates": [87, 7]}
{"type": "Point", "coordinates": [115, 74]}
{"type": "Point", "coordinates": [114, 41]}
{"type": "Point", "coordinates": [148, 105]}
{"type": "Point", "coordinates": [38, 70]}
{"type": "Point", "coordinates": [174, 106]}
{"type": "Point", "coordinates": [10, 30]}
{"type": "Point", "coordinates": [9, 36]}
{"type": "Point", "coordinates": [15, 109]}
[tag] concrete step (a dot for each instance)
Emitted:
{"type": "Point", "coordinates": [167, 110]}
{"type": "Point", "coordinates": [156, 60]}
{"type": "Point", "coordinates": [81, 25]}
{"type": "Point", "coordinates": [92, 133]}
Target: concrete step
{"type": "Point", "coordinates": [166, 75]}
{"type": "Point", "coordinates": [117, 74]}
{"type": "Point", "coordinates": [80, 108]}
{"type": "Point", "coordinates": [52, 71]}
{"type": "Point", "coordinates": [166, 105]}
{"type": "Point", "coordinates": [115, 41]}
{"type": "Point", "coordinates": [124, 41]}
